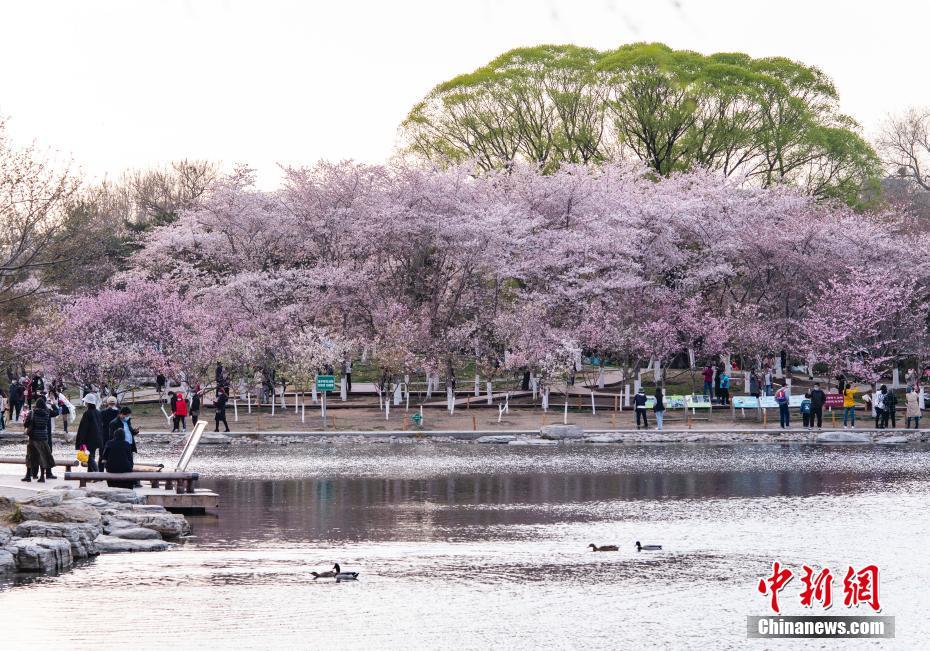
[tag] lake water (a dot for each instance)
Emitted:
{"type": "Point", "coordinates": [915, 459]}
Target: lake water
{"type": "Point", "coordinates": [468, 546]}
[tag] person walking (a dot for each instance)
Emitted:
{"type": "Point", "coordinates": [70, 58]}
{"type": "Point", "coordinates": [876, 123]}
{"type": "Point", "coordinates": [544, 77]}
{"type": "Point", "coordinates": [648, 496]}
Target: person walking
{"type": "Point", "coordinates": [849, 406]}
{"type": "Point", "coordinates": [196, 401]}
{"type": "Point", "coordinates": [3, 407]}
{"type": "Point", "coordinates": [639, 404]}
{"type": "Point", "coordinates": [180, 413]}
{"type": "Point", "coordinates": [806, 411]}
{"type": "Point", "coordinates": [718, 371]}
{"type": "Point", "coordinates": [769, 382]}
{"type": "Point", "coordinates": [16, 397]}
{"type": "Point", "coordinates": [878, 407]}
{"type": "Point", "coordinates": [818, 400]}
{"type": "Point", "coordinates": [783, 399]}
{"type": "Point", "coordinates": [912, 408]}
{"type": "Point", "coordinates": [724, 388]}
{"type": "Point", "coordinates": [708, 382]}
{"type": "Point", "coordinates": [107, 416]}
{"type": "Point", "coordinates": [754, 385]}
{"type": "Point", "coordinates": [219, 405]}
{"type": "Point", "coordinates": [90, 432]}
{"type": "Point", "coordinates": [347, 373]}
{"type": "Point", "coordinates": [659, 408]}
{"type": "Point", "coordinates": [889, 412]}
{"type": "Point", "coordinates": [160, 382]}
{"type": "Point", "coordinates": [38, 452]}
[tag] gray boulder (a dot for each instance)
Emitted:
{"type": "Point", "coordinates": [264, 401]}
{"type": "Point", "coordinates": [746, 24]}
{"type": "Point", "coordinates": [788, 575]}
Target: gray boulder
{"type": "Point", "coordinates": [603, 438]}
{"type": "Point", "coordinates": [844, 437]}
{"type": "Point", "coordinates": [135, 533]}
{"type": "Point", "coordinates": [891, 440]}
{"type": "Point", "coordinates": [122, 495]}
{"type": "Point", "coordinates": [534, 442]}
{"type": "Point", "coordinates": [95, 502]}
{"type": "Point", "coordinates": [496, 438]}
{"type": "Point", "coordinates": [5, 534]}
{"type": "Point", "coordinates": [7, 561]}
{"type": "Point", "coordinates": [80, 535]}
{"type": "Point", "coordinates": [557, 432]}
{"type": "Point", "coordinates": [41, 554]}
{"type": "Point", "coordinates": [64, 512]}
{"type": "Point", "coordinates": [167, 524]}
{"type": "Point", "coordinates": [111, 545]}
{"type": "Point", "coordinates": [71, 493]}
{"type": "Point", "coordinates": [215, 439]}
{"type": "Point", "coordinates": [47, 498]}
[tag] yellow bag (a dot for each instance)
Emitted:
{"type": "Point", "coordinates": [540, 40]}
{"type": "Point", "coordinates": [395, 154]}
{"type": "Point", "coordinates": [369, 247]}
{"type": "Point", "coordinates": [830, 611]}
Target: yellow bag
{"type": "Point", "coordinates": [82, 455]}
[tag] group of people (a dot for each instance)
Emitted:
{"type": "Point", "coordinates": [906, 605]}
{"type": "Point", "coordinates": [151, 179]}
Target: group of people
{"type": "Point", "coordinates": [717, 383]}
{"type": "Point", "coordinates": [181, 408]}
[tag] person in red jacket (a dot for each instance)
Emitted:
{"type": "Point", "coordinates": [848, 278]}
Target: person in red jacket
{"type": "Point", "coordinates": [180, 413]}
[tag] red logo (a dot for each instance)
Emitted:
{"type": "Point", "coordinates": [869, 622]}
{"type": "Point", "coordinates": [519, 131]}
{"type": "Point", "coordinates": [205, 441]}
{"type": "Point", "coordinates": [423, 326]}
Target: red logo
{"type": "Point", "coordinates": [859, 587]}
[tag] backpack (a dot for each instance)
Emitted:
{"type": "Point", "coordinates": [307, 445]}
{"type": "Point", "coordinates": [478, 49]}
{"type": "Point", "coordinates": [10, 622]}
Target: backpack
{"type": "Point", "coordinates": [781, 396]}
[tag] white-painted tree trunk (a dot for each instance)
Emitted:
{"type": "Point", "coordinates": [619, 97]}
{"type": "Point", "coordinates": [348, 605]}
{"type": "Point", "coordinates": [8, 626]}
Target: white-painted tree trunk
{"type": "Point", "coordinates": [507, 402]}
{"type": "Point", "coordinates": [477, 386]}
{"type": "Point", "coordinates": [235, 411]}
{"type": "Point", "coordinates": [313, 394]}
{"type": "Point", "coordinates": [636, 385]}
{"type": "Point", "coordinates": [343, 389]}
{"type": "Point", "coordinates": [490, 389]}
{"type": "Point", "coordinates": [626, 395]}
{"type": "Point", "coordinates": [565, 412]}
{"type": "Point", "coordinates": [397, 394]}
{"type": "Point", "coordinates": [500, 412]}
{"type": "Point", "coordinates": [658, 371]}
{"type": "Point", "coordinates": [593, 408]}
{"type": "Point", "coordinates": [450, 400]}
{"type": "Point", "coordinates": [600, 378]}
{"type": "Point", "coordinates": [249, 399]}
{"type": "Point", "coordinates": [545, 399]}
{"type": "Point", "coordinates": [895, 378]}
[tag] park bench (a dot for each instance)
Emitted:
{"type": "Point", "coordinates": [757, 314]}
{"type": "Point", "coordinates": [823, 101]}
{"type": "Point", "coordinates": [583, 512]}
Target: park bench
{"type": "Point", "coordinates": [182, 482]}
{"type": "Point", "coordinates": [21, 461]}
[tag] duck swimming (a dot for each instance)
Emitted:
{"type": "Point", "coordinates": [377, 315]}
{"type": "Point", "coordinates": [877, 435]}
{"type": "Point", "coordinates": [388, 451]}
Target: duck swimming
{"type": "Point", "coordinates": [647, 548]}
{"type": "Point", "coordinates": [603, 548]}
{"type": "Point", "coordinates": [344, 576]}
{"type": "Point", "coordinates": [324, 575]}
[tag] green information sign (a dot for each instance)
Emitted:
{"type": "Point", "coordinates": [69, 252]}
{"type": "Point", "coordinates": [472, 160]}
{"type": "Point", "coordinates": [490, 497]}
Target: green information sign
{"type": "Point", "coordinates": [325, 383]}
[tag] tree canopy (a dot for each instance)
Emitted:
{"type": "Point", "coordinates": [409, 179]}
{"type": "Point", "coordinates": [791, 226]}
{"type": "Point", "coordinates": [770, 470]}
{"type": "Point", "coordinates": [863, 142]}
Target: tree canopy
{"type": "Point", "coordinates": [770, 120]}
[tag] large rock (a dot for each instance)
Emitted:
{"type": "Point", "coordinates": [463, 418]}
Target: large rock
{"type": "Point", "coordinates": [535, 442]}
{"type": "Point", "coordinates": [557, 432]}
{"type": "Point", "coordinates": [843, 437]}
{"type": "Point", "coordinates": [604, 438]}
{"type": "Point", "coordinates": [122, 495]}
{"type": "Point", "coordinates": [5, 534]}
{"type": "Point", "coordinates": [64, 512]}
{"type": "Point", "coordinates": [41, 554]}
{"type": "Point", "coordinates": [47, 498]}
{"type": "Point", "coordinates": [496, 438]}
{"type": "Point", "coordinates": [215, 439]}
{"type": "Point", "coordinates": [167, 524]}
{"type": "Point", "coordinates": [80, 535]}
{"type": "Point", "coordinates": [7, 561]}
{"type": "Point", "coordinates": [891, 440]}
{"type": "Point", "coordinates": [135, 533]}
{"type": "Point", "coordinates": [94, 502]}
{"type": "Point", "coordinates": [71, 493]}
{"type": "Point", "coordinates": [111, 545]}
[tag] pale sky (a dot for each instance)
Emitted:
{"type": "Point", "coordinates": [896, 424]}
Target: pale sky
{"type": "Point", "coordinates": [130, 83]}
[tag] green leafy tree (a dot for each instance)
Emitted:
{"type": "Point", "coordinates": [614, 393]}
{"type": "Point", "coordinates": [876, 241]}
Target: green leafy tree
{"type": "Point", "coordinates": [771, 120]}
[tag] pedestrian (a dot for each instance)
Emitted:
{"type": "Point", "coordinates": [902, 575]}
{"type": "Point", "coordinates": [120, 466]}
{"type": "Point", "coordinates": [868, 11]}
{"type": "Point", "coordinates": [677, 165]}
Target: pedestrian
{"type": "Point", "coordinates": [868, 400]}
{"type": "Point", "coordinates": [119, 449]}
{"type": "Point", "coordinates": [818, 400]}
{"type": "Point", "coordinates": [63, 409]}
{"type": "Point", "coordinates": [806, 410]}
{"type": "Point", "coordinates": [219, 405]}
{"type": "Point", "coordinates": [709, 382]}
{"type": "Point", "coordinates": [639, 403]}
{"type": "Point", "coordinates": [841, 384]}
{"type": "Point", "coordinates": [783, 398]}
{"type": "Point", "coordinates": [718, 371]}
{"type": "Point", "coordinates": [659, 408]}
{"type": "Point", "coordinates": [16, 397]}
{"type": "Point", "coordinates": [3, 407]}
{"type": "Point", "coordinates": [347, 373]}
{"type": "Point", "coordinates": [180, 413]}
{"type": "Point", "coordinates": [724, 391]}
{"type": "Point", "coordinates": [160, 382]}
{"type": "Point", "coordinates": [195, 405]}
{"type": "Point", "coordinates": [849, 406]}
{"type": "Point", "coordinates": [878, 407]}
{"type": "Point", "coordinates": [107, 416]}
{"type": "Point", "coordinates": [889, 410]}
{"type": "Point", "coordinates": [754, 385]}
{"type": "Point", "coordinates": [90, 432]}
{"type": "Point", "coordinates": [912, 408]}
{"type": "Point", "coordinates": [910, 377]}
{"type": "Point", "coordinates": [38, 451]}
{"type": "Point", "coordinates": [769, 382]}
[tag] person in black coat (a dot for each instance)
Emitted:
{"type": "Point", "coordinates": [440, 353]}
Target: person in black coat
{"type": "Point", "coordinates": [818, 400]}
{"type": "Point", "coordinates": [107, 416]}
{"type": "Point", "coordinates": [117, 453]}
{"type": "Point", "coordinates": [220, 406]}
{"type": "Point", "coordinates": [90, 432]}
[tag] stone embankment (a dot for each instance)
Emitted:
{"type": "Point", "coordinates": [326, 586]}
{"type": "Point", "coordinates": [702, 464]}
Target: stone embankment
{"type": "Point", "coordinates": [50, 531]}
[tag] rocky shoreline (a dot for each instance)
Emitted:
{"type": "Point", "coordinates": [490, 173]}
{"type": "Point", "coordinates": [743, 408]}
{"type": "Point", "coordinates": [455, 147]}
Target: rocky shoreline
{"type": "Point", "coordinates": [49, 531]}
